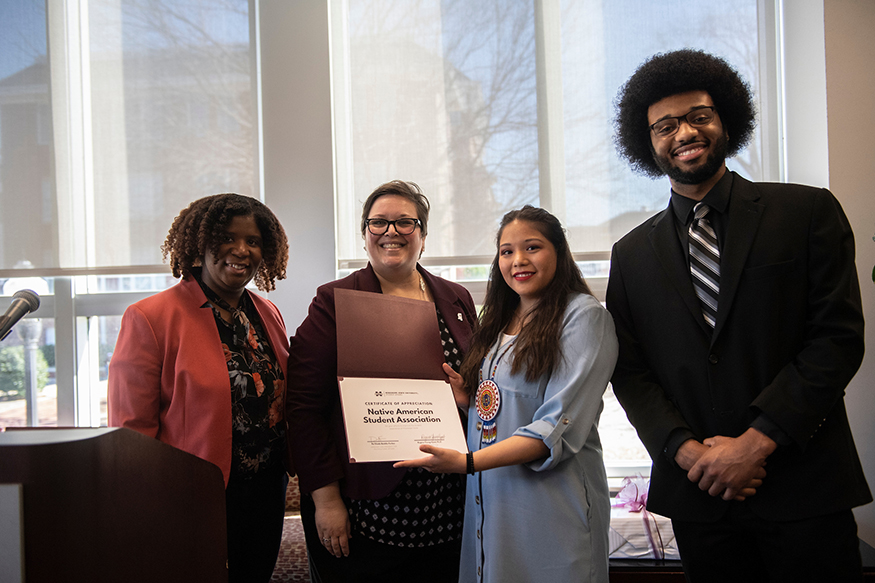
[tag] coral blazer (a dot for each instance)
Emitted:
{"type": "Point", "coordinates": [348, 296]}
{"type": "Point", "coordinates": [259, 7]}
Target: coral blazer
{"type": "Point", "coordinates": [168, 378]}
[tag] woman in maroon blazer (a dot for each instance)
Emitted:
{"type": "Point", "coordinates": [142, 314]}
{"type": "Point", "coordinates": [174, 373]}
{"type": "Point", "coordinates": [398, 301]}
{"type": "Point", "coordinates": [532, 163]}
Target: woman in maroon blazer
{"type": "Point", "coordinates": [201, 366]}
{"type": "Point", "coordinates": [373, 522]}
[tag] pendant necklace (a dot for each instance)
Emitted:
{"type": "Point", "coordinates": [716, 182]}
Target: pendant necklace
{"type": "Point", "coordinates": [488, 397]}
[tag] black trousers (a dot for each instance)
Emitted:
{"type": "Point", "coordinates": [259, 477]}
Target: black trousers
{"type": "Point", "coordinates": [744, 547]}
{"type": "Point", "coordinates": [370, 561]}
{"type": "Point", "coordinates": [255, 509]}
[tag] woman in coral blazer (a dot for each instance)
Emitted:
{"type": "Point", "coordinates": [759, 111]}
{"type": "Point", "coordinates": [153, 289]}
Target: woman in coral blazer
{"type": "Point", "coordinates": [202, 367]}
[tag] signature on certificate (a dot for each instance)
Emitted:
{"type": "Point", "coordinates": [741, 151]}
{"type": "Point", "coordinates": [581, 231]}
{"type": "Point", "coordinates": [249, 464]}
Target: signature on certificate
{"type": "Point", "coordinates": [377, 440]}
{"type": "Point", "coordinates": [431, 438]}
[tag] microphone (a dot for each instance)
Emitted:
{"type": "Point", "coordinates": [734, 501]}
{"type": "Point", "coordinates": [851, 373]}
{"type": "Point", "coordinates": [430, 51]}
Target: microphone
{"type": "Point", "coordinates": [23, 302]}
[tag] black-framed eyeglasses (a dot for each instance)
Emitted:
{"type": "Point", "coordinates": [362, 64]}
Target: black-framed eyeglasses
{"type": "Point", "coordinates": [698, 118]}
{"type": "Point", "coordinates": [402, 226]}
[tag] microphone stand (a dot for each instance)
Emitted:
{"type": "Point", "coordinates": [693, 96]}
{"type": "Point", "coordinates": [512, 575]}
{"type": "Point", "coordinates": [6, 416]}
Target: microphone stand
{"type": "Point", "coordinates": [29, 330]}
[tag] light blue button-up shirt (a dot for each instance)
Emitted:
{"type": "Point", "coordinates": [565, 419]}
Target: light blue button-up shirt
{"type": "Point", "coordinates": [546, 520]}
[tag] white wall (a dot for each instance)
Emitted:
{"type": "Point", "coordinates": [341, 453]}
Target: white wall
{"type": "Point", "coordinates": [298, 169]}
{"type": "Point", "coordinates": [850, 78]}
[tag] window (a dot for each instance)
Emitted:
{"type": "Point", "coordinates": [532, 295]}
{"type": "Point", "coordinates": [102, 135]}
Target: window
{"type": "Point", "coordinates": [491, 105]}
{"type": "Point", "coordinates": [144, 105]}
{"type": "Point", "coordinates": [140, 107]}
{"type": "Point", "coordinates": [458, 97]}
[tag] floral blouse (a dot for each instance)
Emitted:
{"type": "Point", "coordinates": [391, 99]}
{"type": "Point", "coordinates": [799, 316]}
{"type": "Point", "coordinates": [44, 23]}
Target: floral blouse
{"type": "Point", "coordinates": [257, 388]}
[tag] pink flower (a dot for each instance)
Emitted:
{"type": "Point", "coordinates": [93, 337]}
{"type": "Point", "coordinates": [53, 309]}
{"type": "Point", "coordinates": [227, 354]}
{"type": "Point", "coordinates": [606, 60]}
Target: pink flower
{"type": "Point", "coordinates": [633, 494]}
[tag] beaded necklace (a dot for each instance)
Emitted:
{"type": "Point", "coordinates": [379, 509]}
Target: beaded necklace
{"type": "Point", "coordinates": [488, 397]}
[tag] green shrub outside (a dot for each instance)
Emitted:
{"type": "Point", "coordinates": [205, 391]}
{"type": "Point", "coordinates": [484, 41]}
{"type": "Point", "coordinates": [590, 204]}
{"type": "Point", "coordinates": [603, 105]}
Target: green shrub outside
{"type": "Point", "coordinates": [48, 351]}
{"type": "Point", "coordinates": [12, 372]}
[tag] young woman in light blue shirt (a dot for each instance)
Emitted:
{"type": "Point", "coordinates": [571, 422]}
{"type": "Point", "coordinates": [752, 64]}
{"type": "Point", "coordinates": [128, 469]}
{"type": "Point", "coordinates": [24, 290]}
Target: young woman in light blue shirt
{"type": "Point", "coordinates": [537, 506]}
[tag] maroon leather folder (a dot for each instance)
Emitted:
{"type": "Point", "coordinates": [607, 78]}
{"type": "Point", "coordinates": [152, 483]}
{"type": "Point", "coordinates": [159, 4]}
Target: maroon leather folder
{"type": "Point", "coordinates": [383, 336]}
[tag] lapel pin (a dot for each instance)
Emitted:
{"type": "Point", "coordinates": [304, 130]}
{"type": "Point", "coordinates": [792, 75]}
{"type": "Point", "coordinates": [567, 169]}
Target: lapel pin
{"type": "Point", "coordinates": [459, 316]}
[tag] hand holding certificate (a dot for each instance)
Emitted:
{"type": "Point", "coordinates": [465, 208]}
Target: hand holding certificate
{"type": "Point", "coordinates": [392, 387]}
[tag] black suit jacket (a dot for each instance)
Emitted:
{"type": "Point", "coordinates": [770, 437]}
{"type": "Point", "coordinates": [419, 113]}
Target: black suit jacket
{"type": "Point", "coordinates": [788, 339]}
{"type": "Point", "coordinates": [317, 439]}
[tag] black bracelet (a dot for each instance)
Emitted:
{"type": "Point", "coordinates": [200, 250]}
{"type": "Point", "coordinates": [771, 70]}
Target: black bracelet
{"type": "Point", "coordinates": [470, 458]}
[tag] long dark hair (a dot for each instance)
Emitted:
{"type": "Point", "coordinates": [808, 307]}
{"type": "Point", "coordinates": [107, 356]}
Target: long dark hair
{"type": "Point", "coordinates": [537, 348]}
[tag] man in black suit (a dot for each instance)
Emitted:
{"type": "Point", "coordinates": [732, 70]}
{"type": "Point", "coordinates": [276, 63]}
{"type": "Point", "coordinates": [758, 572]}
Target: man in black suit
{"type": "Point", "coordinates": [740, 324]}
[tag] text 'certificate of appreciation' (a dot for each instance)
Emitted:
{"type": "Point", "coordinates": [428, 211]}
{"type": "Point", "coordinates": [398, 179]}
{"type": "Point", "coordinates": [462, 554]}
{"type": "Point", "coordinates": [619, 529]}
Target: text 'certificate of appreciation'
{"type": "Point", "coordinates": [388, 419]}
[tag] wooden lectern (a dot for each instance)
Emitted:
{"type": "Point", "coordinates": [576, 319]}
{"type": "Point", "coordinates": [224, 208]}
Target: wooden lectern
{"type": "Point", "coordinates": [112, 505]}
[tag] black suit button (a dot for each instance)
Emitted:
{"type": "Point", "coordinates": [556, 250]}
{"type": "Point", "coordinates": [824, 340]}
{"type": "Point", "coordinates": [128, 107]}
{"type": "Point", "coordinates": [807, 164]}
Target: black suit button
{"type": "Point", "coordinates": [712, 358]}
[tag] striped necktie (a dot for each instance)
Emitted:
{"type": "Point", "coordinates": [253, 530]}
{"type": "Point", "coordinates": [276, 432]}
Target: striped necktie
{"type": "Point", "coordinates": [705, 263]}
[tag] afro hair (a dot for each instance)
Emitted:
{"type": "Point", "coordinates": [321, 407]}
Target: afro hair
{"type": "Point", "coordinates": [667, 74]}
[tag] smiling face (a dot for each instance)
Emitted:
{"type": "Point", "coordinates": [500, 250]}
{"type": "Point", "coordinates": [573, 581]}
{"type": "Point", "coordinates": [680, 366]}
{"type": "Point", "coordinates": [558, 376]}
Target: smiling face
{"type": "Point", "coordinates": [527, 261]}
{"type": "Point", "coordinates": [393, 255]}
{"type": "Point", "coordinates": [692, 156]}
{"type": "Point", "coordinates": [237, 260]}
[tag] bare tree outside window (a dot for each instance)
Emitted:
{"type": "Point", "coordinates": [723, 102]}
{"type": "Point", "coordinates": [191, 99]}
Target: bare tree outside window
{"type": "Point", "coordinates": [444, 94]}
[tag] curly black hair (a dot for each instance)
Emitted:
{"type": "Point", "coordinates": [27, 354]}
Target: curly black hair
{"type": "Point", "coordinates": [200, 226]}
{"type": "Point", "coordinates": [667, 74]}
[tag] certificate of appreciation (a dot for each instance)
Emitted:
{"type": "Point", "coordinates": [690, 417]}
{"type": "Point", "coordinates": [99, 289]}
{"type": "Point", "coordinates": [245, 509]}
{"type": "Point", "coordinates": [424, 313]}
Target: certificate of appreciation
{"type": "Point", "coordinates": [393, 391]}
{"type": "Point", "coordinates": [387, 419]}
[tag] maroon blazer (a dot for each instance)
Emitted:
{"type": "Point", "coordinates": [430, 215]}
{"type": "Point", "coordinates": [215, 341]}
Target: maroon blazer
{"type": "Point", "coordinates": [168, 378]}
{"type": "Point", "coordinates": [317, 439]}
